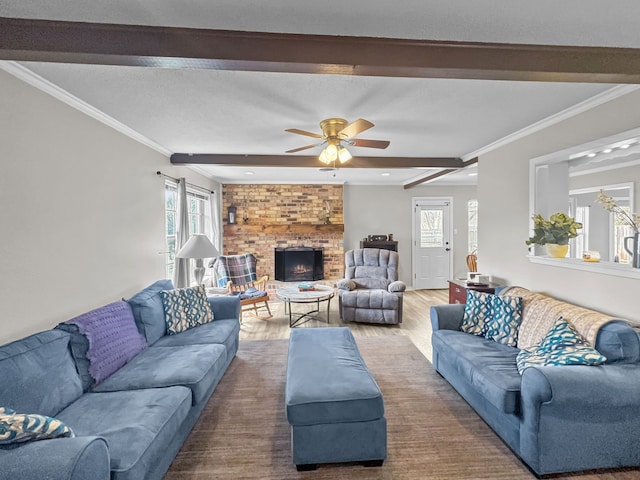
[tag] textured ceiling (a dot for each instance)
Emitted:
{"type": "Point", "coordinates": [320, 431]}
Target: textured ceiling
{"type": "Point", "coordinates": [240, 112]}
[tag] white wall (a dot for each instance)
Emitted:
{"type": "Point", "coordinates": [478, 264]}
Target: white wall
{"type": "Point", "coordinates": [371, 210]}
{"type": "Point", "coordinates": [503, 195]}
{"type": "Point", "coordinates": [81, 211]}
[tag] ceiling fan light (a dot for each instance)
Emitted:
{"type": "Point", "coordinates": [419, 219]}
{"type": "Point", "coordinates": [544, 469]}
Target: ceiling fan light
{"type": "Point", "coordinates": [344, 155]}
{"type": "Point", "coordinates": [332, 152]}
{"type": "Point", "coordinates": [324, 158]}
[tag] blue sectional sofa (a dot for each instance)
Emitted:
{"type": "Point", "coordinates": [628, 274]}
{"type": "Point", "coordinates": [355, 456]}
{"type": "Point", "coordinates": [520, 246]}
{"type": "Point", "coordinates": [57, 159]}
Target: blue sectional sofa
{"type": "Point", "coordinates": [555, 418]}
{"type": "Point", "coordinates": [131, 425]}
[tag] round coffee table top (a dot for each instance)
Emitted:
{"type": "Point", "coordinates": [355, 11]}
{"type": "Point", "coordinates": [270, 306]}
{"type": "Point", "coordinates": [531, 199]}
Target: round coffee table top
{"type": "Point", "coordinates": [293, 294]}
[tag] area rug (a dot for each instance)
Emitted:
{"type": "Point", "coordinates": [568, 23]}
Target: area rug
{"type": "Point", "coordinates": [432, 433]}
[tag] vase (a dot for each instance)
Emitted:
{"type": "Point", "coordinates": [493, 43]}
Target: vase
{"type": "Point", "coordinates": [557, 251]}
{"type": "Point", "coordinates": [634, 251]}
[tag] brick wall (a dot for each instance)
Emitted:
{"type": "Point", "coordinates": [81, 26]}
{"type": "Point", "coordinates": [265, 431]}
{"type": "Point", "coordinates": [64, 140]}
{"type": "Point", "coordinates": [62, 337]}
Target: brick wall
{"type": "Point", "coordinates": [272, 211]}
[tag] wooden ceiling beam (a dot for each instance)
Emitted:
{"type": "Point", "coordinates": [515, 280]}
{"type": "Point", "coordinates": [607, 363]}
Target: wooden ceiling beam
{"type": "Point", "coordinates": [172, 47]}
{"type": "Point", "coordinates": [311, 161]}
{"type": "Point", "coordinates": [442, 173]}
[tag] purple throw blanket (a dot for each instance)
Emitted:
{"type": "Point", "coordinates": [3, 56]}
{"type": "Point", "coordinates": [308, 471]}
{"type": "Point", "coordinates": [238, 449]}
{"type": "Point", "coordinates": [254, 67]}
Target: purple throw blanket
{"type": "Point", "coordinates": [112, 336]}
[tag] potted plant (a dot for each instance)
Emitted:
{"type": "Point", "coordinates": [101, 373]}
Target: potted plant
{"type": "Point", "coordinates": [554, 233]}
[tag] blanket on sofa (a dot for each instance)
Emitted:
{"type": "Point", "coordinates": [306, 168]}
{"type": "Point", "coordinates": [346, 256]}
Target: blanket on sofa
{"type": "Point", "coordinates": [540, 313]}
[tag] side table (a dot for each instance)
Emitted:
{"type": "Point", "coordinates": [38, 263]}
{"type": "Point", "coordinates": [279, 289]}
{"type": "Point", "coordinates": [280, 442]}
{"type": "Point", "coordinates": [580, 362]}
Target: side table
{"type": "Point", "coordinates": [458, 289]}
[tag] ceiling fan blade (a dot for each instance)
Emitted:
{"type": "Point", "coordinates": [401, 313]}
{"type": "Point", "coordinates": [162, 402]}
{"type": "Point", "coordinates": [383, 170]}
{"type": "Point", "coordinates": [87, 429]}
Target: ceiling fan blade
{"type": "Point", "coordinates": [303, 132]}
{"type": "Point", "coordinates": [359, 142]}
{"type": "Point", "coordinates": [301, 148]}
{"type": "Point", "coordinates": [354, 128]}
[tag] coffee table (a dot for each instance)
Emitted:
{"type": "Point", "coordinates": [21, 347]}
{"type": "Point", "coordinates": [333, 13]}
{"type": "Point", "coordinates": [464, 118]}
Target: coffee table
{"type": "Point", "coordinates": [291, 294]}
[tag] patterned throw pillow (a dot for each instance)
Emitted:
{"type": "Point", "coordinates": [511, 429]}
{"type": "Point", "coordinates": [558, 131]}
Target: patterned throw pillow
{"type": "Point", "coordinates": [562, 345]}
{"type": "Point", "coordinates": [476, 312]}
{"type": "Point", "coordinates": [185, 308]}
{"type": "Point", "coordinates": [503, 323]}
{"type": "Point", "coordinates": [20, 427]}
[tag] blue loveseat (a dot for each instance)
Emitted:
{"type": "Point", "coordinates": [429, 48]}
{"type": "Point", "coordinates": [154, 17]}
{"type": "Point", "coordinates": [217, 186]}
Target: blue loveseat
{"type": "Point", "coordinates": [555, 418]}
{"type": "Point", "coordinates": [131, 425]}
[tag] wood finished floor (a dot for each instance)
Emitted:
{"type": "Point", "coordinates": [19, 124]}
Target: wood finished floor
{"type": "Point", "coordinates": [415, 323]}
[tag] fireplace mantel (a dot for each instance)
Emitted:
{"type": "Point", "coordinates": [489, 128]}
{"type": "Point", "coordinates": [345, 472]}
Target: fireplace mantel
{"type": "Point", "coordinates": [276, 228]}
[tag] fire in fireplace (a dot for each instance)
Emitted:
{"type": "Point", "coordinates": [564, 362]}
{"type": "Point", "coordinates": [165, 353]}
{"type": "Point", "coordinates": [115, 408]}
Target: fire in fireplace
{"type": "Point", "coordinates": [296, 264]}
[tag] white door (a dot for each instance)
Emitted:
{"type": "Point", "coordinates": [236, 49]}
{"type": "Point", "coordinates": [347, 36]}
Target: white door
{"type": "Point", "coordinates": [432, 254]}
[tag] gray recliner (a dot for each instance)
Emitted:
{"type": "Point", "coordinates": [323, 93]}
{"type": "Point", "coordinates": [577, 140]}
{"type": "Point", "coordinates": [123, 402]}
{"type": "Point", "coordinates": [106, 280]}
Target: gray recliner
{"type": "Point", "coordinates": [371, 291]}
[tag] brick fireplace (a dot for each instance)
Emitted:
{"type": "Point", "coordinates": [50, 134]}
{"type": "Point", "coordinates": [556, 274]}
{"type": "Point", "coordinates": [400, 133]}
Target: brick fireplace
{"type": "Point", "coordinates": [283, 215]}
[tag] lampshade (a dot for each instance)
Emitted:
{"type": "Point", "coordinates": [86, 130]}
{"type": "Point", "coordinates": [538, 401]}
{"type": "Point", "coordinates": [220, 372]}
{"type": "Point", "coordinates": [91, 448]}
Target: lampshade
{"type": "Point", "coordinates": [198, 246]}
{"type": "Point", "coordinates": [344, 155]}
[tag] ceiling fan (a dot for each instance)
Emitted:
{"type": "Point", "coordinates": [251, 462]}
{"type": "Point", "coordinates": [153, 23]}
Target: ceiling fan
{"type": "Point", "coordinates": [336, 133]}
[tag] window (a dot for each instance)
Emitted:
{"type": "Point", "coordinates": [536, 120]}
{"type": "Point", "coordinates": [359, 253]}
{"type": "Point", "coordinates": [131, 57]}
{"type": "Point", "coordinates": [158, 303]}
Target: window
{"type": "Point", "coordinates": [198, 219]}
{"type": "Point", "coordinates": [472, 217]}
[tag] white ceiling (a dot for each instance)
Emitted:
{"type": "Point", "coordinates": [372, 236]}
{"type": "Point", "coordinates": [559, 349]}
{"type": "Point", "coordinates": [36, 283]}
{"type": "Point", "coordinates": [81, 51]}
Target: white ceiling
{"type": "Point", "coordinates": [240, 112]}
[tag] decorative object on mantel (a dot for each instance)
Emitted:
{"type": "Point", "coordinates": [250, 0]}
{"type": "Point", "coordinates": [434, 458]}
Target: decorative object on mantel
{"type": "Point", "coordinates": [232, 211]}
{"type": "Point", "coordinates": [554, 233]}
{"type": "Point", "coordinates": [627, 218]}
{"type": "Point", "coordinates": [327, 212]}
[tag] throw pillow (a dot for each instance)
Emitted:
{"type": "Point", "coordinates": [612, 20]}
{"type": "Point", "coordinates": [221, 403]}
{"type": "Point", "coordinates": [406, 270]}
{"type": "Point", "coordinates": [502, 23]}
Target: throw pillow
{"type": "Point", "coordinates": [503, 323]}
{"type": "Point", "coordinates": [476, 311]}
{"type": "Point", "coordinates": [20, 427]}
{"type": "Point", "coordinates": [103, 341]}
{"type": "Point", "coordinates": [185, 308]}
{"type": "Point", "coordinates": [562, 345]}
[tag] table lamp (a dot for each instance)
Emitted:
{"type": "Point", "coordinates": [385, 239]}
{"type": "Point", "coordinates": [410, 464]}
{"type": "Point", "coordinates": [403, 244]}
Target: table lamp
{"type": "Point", "coordinates": [198, 247]}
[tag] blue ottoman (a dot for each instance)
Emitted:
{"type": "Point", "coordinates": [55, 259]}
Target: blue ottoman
{"type": "Point", "coordinates": [333, 404]}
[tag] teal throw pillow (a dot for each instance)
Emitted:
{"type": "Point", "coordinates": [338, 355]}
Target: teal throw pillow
{"type": "Point", "coordinates": [20, 427]}
{"type": "Point", "coordinates": [562, 345]}
{"type": "Point", "coordinates": [476, 312]}
{"type": "Point", "coordinates": [503, 323]}
{"type": "Point", "coordinates": [185, 308]}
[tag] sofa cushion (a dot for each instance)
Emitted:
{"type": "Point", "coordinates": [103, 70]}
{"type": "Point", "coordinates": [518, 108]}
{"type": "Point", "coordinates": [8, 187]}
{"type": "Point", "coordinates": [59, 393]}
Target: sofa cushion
{"type": "Point", "coordinates": [38, 374]}
{"type": "Point", "coordinates": [562, 345]}
{"type": "Point", "coordinates": [103, 340]}
{"type": "Point", "coordinates": [476, 311]}
{"type": "Point", "coordinates": [21, 427]}
{"type": "Point", "coordinates": [488, 366]}
{"type": "Point", "coordinates": [185, 308]}
{"type": "Point", "coordinates": [197, 367]}
{"type": "Point", "coordinates": [503, 322]}
{"type": "Point", "coordinates": [223, 332]}
{"type": "Point", "coordinates": [148, 310]}
{"type": "Point", "coordinates": [137, 425]}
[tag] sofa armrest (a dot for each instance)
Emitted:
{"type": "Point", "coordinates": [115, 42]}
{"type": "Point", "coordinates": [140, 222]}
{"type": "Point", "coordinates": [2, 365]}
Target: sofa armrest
{"type": "Point", "coordinates": [76, 458]}
{"type": "Point", "coordinates": [225, 306]}
{"type": "Point", "coordinates": [446, 317]}
{"type": "Point", "coordinates": [580, 417]}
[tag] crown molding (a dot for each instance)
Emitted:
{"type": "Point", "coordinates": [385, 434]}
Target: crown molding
{"type": "Point", "coordinates": [588, 104]}
{"type": "Point", "coordinates": [55, 91]}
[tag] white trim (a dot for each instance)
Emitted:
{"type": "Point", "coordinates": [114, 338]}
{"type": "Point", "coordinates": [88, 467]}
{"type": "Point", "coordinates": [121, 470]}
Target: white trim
{"type": "Point", "coordinates": [588, 104]}
{"type": "Point", "coordinates": [606, 268]}
{"type": "Point", "coordinates": [35, 80]}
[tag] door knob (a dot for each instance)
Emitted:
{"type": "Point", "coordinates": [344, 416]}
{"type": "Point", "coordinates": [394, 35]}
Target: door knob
{"type": "Point", "coordinates": [447, 249]}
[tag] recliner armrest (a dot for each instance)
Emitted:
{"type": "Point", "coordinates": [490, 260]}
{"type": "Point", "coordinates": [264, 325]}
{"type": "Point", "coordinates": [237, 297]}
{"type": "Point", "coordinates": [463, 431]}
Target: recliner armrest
{"type": "Point", "coordinates": [346, 284]}
{"type": "Point", "coordinates": [397, 286]}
